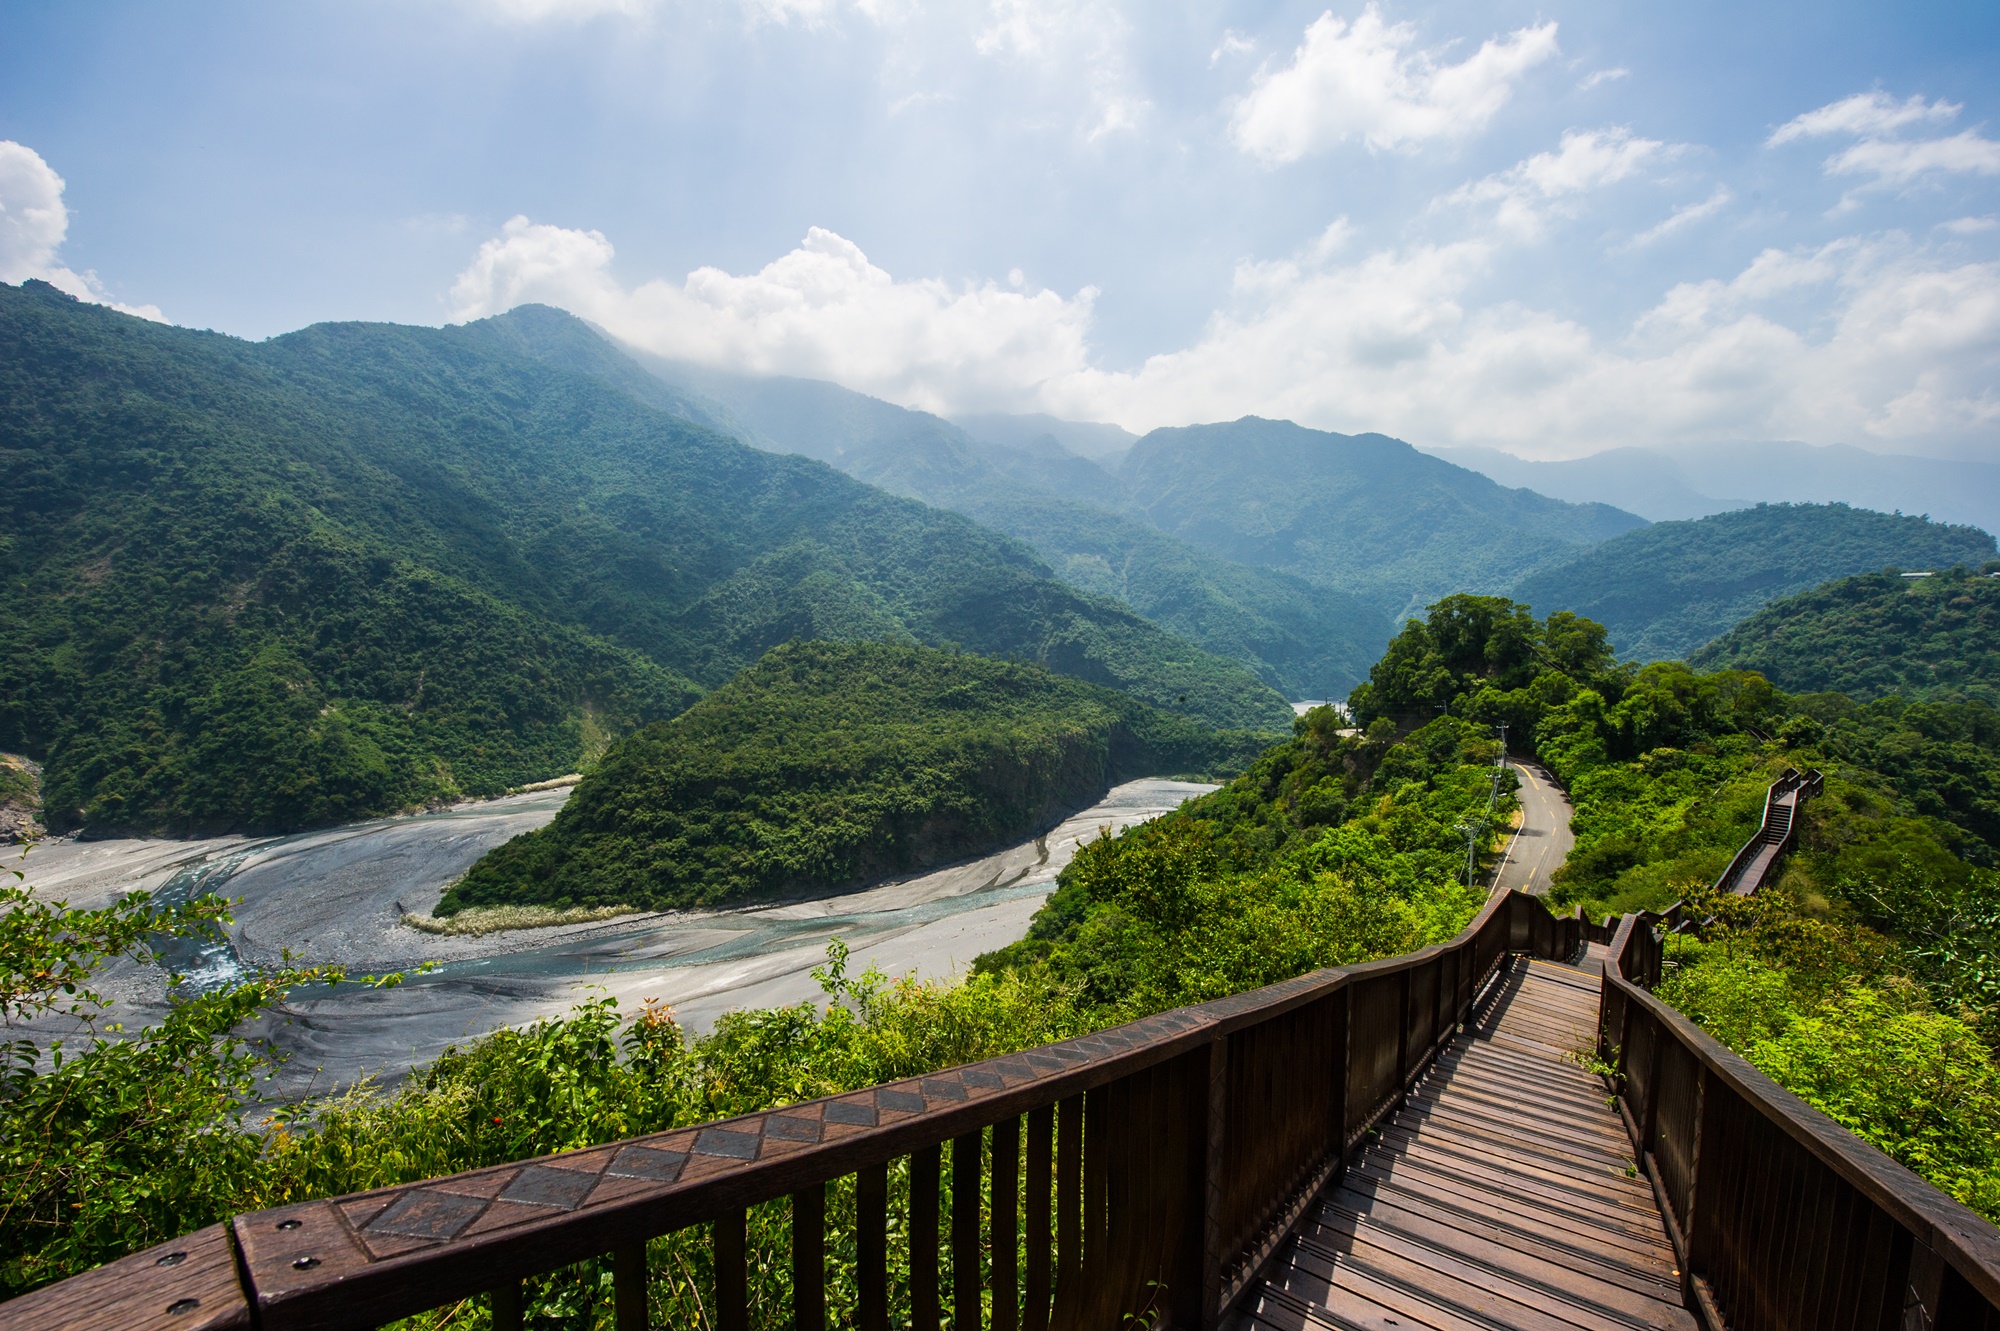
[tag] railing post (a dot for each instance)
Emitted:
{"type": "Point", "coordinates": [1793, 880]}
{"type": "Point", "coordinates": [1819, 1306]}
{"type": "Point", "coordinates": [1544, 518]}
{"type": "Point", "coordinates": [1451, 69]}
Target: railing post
{"type": "Point", "coordinates": [1403, 1035]}
{"type": "Point", "coordinates": [628, 1286]}
{"type": "Point", "coordinates": [1213, 1148]}
{"type": "Point", "coordinates": [1689, 1223]}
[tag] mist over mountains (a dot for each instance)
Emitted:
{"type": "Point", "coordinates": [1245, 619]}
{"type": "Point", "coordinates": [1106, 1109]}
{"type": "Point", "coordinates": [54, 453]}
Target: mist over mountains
{"type": "Point", "coordinates": [1697, 480]}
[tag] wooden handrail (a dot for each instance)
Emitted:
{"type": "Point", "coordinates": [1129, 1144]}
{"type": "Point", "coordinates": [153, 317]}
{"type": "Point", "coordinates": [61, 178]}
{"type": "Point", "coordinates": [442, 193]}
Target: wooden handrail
{"type": "Point", "coordinates": [1173, 1153]}
{"type": "Point", "coordinates": [1780, 1217]}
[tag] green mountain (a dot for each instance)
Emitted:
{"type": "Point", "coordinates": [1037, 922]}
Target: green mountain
{"type": "Point", "coordinates": [1664, 591]}
{"type": "Point", "coordinates": [1302, 639]}
{"type": "Point", "coordinates": [827, 764]}
{"type": "Point", "coordinates": [361, 567]}
{"type": "Point", "coordinates": [1873, 635]}
{"type": "Point", "coordinates": [1364, 514]}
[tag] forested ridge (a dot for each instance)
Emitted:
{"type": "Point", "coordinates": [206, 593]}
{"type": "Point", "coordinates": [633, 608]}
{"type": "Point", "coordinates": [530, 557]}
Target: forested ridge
{"type": "Point", "coordinates": [1665, 590]}
{"type": "Point", "coordinates": [827, 764]}
{"type": "Point", "coordinates": [1874, 635]}
{"type": "Point", "coordinates": [1303, 638]}
{"type": "Point", "coordinates": [359, 568]}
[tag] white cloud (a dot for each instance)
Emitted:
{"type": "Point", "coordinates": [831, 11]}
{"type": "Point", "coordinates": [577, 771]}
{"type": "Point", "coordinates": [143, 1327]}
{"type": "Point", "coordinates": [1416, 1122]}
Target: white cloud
{"type": "Point", "coordinates": [1602, 76]}
{"type": "Point", "coordinates": [1867, 339]}
{"type": "Point", "coordinates": [1079, 41]}
{"type": "Point", "coordinates": [1584, 161]}
{"type": "Point", "coordinates": [1898, 162]}
{"type": "Point", "coordinates": [1685, 217]}
{"type": "Point", "coordinates": [1865, 113]}
{"type": "Point", "coordinates": [1970, 226]}
{"type": "Point", "coordinates": [821, 311]}
{"type": "Point", "coordinates": [1232, 43]}
{"type": "Point", "coordinates": [1368, 80]}
{"type": "Point", "coordinates": [33, 222]}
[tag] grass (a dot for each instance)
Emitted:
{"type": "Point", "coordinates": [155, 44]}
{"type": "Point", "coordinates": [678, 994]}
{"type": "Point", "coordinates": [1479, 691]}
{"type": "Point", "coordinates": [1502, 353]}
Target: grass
{"type": "Point", "coordinates": [495, 919]}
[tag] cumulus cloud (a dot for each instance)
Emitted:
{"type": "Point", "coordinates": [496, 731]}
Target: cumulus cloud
{"type": "Point", "coordinates": [33, 222]}
{"type": "Point", "coordinates": [1900, 345]}
{"type": "Point", "coordinates": [1585, 160]}
{"type": "Point", "coordinates": [1867, 113]}
{"type": "Point", "coordinates": [1602, 76]}
{"type": "Point", "coordinates": [1368, 80]}
{"type": "Point", "coordinates": [821, 311]}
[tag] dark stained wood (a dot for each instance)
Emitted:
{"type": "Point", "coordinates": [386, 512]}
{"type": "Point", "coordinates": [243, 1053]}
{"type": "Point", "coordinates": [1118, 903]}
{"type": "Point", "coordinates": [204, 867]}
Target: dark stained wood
{"type": "Point", "coordinates": [871, 1247]}
{"type": "Point", "coordinates": [190, 1282]}
{"type": "Point", "coordinates": [808, 1259]}
{"type": "Point", "coordinates": [505, 1305]}
{"type": "Point", "coordinates": [732, 1284]}
{"type": "Point", "coordinates": [965, 1273]}
{"type": "Point", "coordinates": [1496, 1196]}
{"type": "Point", "coordinates": [1039, 1203]}
{"type": "Point", "coordinates": [628, 1287]}
{"type": "Point", "coordinates": [925, 1166]}
{"type": "Point", "coordinates": [1004, 1237]}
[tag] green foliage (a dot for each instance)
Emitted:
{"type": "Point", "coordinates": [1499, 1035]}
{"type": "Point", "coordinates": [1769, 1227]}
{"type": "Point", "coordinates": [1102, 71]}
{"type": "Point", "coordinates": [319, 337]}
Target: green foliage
{"type": "Point", "coordinates": [1820, 1007]}
{"type": "Point", "coordinates": [1666, 590]}
{"type": "Point", "coordinates": [1331, 849]}
{"type": "Point", "coordinates": [1873, 635]}
{"type": "Point", "coordinates": [1363, 514]}
{"type": "Point", "coordinates": [359, 568]}
{"type": "Point", "coordinates": [827, 764]}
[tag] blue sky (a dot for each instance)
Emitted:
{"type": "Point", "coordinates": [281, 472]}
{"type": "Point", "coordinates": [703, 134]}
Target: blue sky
{"type": "Point", "coordinates": [1551, 228]}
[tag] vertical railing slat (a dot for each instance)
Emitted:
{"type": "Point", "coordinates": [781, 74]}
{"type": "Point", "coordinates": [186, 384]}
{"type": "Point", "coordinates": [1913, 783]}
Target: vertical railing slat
{"type": "Point", "coordinates": [808, 1259]}
{"type": "Point", "coordinates": [1069, 1211]}
{"type": "Point", "coordinates": [871, 1248]}
{"type": "Point", "coordinates": [732, 1294]}
{"type": "Point", "coordinates": [965, 1273]}
{"type": "Point", "coordinates": [1041, 1163]}
{"type": "Point", "coordinates": [1005, 1227]}
{"type": "Point", "coordinates": [924, 1170]}
{"type": "Point", "coordinates": [628, 1287]}
{"type": "Point", "coordinates": [506, 1306]}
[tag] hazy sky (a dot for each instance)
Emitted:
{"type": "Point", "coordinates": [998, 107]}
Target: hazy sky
{"type": "Point", "coordinates": [1552, 228]}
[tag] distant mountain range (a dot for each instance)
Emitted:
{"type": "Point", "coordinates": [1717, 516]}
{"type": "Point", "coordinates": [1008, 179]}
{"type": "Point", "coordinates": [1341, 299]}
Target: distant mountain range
{"type": "Point", "coordinates": [1697, 480]}
{"type": "Point", "coordinates": [361, 567]}
{"type": "Point", "coordinates": [1290, 550]}
{"type": "Point", "coordinates": [1665, 590]}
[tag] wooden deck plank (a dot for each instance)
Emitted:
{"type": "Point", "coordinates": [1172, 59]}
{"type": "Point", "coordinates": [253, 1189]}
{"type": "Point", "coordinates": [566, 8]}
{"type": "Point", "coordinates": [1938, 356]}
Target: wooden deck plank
{"type": "Point", "coordinates": [1496, 1196]}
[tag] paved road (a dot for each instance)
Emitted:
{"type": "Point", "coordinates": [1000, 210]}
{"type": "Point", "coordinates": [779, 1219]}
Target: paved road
{"type": "Point", "coordinates": [1544, 839]}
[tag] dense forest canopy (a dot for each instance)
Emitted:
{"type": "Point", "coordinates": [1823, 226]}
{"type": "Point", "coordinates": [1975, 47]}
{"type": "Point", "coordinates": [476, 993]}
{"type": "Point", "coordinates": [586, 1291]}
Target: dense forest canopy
{"type": "Point", "coordinates": [1364, 514]}
{"type": "Point", "coordinates": [1874, 635]}
{"type": "Point", "coordinates": [1664, 591]}
{"type": "Point", "coordinates": [362, 567]}
{"type": "Point", "coordinates": [826, 764]}
{"type": "Point", "coordinates": [1303, 639]}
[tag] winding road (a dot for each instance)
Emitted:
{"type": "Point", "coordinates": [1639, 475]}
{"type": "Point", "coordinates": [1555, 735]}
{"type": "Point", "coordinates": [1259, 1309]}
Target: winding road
{"type": "Point", "coordinates": [1543, 841]}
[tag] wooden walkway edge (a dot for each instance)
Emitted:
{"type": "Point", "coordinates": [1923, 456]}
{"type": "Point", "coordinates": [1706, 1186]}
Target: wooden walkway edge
{"type": "Point", "coordinates": [1501, 1195]}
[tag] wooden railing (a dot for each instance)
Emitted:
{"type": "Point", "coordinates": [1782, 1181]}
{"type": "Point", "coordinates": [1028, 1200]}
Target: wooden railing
{"type": "Point", "coordinates": [1144, 1172]}
{"type": "Point", "coordinates": [1776, 834]}
{"type": "Point", "coordinates": [1782, 1219]}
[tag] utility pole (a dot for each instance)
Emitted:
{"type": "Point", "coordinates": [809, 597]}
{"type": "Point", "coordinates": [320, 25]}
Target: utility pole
{"type": "Point", "coordinates": [1470, 829]}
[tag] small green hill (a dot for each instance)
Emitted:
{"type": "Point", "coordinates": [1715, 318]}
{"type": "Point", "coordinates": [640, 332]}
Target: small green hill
{"type": "Point", "coordinates": [362, 567]}
{"type": "Point", "coordinates": [1873, 635]}
{"type": "Point", "coordinates": [1664, 591]}
{"type": "Point", "coordinates": [829, 764]}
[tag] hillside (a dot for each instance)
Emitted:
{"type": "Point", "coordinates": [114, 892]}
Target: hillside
{"type": "Point", "coordinates": [1363, 514]}
{"type": "Point", "coordinates": [362, 567]}
{"type": "Point", "coordinates": [1874, 635]}
{"type": "Point", "coordinates": [1303, 640]}
{"type": "Point", "coordinates": [828, 764]}
{"type": "Point", "coordinates": [1664, 591]}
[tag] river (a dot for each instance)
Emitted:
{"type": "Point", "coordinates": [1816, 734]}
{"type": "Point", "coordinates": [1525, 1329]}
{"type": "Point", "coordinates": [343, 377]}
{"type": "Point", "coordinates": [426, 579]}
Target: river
{"type": "Point", "coordinates": [338, 895]}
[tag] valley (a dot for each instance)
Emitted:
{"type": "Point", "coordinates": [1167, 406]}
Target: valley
{"type": "Point", "coordinates": [335, 896]}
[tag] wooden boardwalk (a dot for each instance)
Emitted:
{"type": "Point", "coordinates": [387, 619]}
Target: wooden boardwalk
{"type": "Point", "coordinates": [1500, 1195]}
